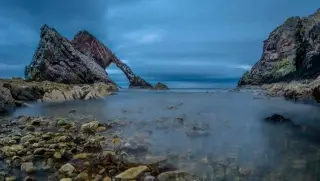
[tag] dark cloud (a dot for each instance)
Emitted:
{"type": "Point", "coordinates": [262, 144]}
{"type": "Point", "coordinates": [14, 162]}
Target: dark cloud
{"type": "Point", "coordinates": [170, 40]}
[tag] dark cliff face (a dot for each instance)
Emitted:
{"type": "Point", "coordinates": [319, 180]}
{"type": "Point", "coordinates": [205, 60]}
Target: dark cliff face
{"type": "Point", "coordinates": [89, 45]}
{"type": "Point", "coordinates": [291, 52]}
{"type": "Point", "coordinates": [57, 60]}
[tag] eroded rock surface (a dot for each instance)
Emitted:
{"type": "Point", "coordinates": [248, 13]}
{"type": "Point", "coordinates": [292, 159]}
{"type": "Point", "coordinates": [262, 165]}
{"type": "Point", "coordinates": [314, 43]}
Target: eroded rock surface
{"type": "Point", "coordinates": [291, 52]}
{"type": "Point", "coordinates": [17, 91]}
{"type": "Point", "coordinates": [57, 60]}
{"type": "Point", "coordinates": [92, 47]}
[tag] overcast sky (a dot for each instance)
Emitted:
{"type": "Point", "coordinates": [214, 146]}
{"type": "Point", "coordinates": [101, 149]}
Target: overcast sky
{"type": "Point", "coordinates": [181, 42]}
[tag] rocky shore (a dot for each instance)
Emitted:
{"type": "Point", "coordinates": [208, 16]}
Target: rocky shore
{"type": "Point", "coordinates": [17, 92]}
{"type": "Point", "coordinates": [289, 65]}
{"type": "Point", "coordinates": [41, 148]}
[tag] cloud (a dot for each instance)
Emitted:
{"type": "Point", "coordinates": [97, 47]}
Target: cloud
{"type": "Point", "coordinates": [145, 36]}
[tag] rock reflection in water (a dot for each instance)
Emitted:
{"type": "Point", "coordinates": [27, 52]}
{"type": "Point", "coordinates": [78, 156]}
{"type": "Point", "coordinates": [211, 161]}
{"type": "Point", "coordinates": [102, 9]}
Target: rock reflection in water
{"type": "Point", "coordinates": [218, 136]}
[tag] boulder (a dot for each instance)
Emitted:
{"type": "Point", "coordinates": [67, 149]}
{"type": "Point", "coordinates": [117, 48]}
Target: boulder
{"type": "Point", "coordinates": [7, 103]}
{"type": "Point", "coordinates": [160, 86]}
{"type": "Point", "coordinates": [57, 60]}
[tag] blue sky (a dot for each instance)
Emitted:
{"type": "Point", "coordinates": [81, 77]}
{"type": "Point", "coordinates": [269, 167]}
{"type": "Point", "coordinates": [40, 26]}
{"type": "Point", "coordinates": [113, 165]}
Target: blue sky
{"type": "Point", "coordinates": [184, 43]}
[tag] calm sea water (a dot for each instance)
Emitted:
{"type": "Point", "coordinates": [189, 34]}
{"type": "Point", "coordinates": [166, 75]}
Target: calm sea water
{"type": "Point", "coordinates": [233, 123]}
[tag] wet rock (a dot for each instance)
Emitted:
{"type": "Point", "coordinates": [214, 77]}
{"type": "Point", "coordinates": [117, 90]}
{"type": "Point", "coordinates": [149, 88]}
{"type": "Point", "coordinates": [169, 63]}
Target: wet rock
{"type": "Point", "coordinates": [28, 167]}
{"type": "Point", "coordinates": [30, 128]}
{"type": "Point", "coordinates": [149, 178]}
{"type": "Point", "coordinates": [277, 118]}
{"type": "Point", "coordinates": [12, 178]}
{"type": "Point", "coordinates": [174, 175]}
{"type": "Point", "coordinates": [28, 178]}
{"type": "Point", "coordinates": [160, 86]}
{"type": "Point", "coordinates": [132, 173]}
{"type": "Point", "coordinates": [107, 178]}
{"type": "Point", "coordinates": [90, 127]}
{"type": "Point", "coordinates": [7, 103]}
{"type": "Point", "coordinates": [67, 169]}
{"type": "Point", "coordinates": [66, 179]}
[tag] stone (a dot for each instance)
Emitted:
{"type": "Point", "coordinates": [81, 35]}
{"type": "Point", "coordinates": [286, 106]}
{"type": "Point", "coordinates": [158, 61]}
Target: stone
{"type": "Point", "coordinates": [66, 179]}
{"type": "Point", "coordinates": [277, 118]}
{"type": "Point", "coordinates": [160, 86]}
{"type": "Point", "coordinates": [132, 173]}
{"type": "Point", "coordinates": [178, 175]}
{"type": "Point", "coordinates": [7, 103]}
{"type": "Point", "coordinates": [28, 167]}
{"type": "Point", "coordinates": [149, 178]}
{"type": "Point", "coordinates": [28, 178]}
{"type": "Point", "coordinates": [11, 178]}
{"type": "Point", "coordinates": [67, 169]}
{"type": "Point", "coordinates": [90, 127]}
{"type": "Point", "coordinates": [107, 178]}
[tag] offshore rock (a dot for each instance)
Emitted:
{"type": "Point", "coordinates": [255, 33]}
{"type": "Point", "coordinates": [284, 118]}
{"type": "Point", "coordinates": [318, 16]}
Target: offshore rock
{"type": "Point", "coordinates": [291, 52]}
{"type": "Point", "coordinates": [57, 60]}
{"type": "Point", "coordinates": [160, 86]}
{"type": "Point", "coordinates": [92, 47]}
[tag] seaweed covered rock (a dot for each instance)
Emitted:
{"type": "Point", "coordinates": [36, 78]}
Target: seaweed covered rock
{"type": "Point", "coordinates": [57, 60]}
{"type": "Point", "coordinates": [291, 52]}
{"type": "Point", "coordinates": [21, 90]}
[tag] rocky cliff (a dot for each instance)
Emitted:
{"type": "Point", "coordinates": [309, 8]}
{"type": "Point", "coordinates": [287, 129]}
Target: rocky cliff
{"type": "Point", "coordinates": [57, 60]}
{"type": "Point", "coordinates": [291, 52]}
{"type": "Point", "coordinates": [92, 47]}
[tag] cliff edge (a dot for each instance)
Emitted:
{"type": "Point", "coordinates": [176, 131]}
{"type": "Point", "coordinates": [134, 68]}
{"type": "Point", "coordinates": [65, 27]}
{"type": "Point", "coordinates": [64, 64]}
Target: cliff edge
{"type": "Point", "coordinates": [291, 52]}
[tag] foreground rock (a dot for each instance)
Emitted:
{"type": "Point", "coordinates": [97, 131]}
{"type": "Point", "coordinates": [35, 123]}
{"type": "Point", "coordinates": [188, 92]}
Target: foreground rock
{"type": "Point", "coordinates": [7, 103]}
{"type": "Point", "coordinates": [291, 53]}
{"type": "Point", "coordinates": [69, 151]}
{"type": "Point", "coordinates": [295, 90]}
{"type": "Point", "coordinates": [57, 60]}
{"type": "Point", "coordinates": [92, 47]}
{"type": "Point", "coordinates": [15, 92]}
{"type": "Point", "coordinates": [161, 86]}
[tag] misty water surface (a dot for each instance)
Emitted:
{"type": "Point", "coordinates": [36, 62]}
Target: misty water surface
{"type": "Point", "coordinates": [233, 123]}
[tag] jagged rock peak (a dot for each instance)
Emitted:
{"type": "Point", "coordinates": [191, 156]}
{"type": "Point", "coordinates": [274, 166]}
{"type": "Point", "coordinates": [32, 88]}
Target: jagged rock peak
{"type": "Point", "coordinates": [89, 45]}
{"type": "Point", "coordinates": [57, 60]}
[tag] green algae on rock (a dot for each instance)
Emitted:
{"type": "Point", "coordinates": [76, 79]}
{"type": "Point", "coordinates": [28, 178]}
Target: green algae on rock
{"type": "Point", "coordinates": [289, 65]}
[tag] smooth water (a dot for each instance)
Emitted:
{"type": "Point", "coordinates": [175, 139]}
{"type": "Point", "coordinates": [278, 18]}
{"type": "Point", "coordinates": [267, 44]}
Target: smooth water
{"type": "Point", "coordinates": [234, 123]}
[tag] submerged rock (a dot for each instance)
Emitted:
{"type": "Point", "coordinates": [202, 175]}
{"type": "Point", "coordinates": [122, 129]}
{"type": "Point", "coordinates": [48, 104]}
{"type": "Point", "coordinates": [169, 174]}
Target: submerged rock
{"type": "Point", "coordinates": [174, 175]}
{"type": "Point", "coordinates": [132, 173]}
{"type": "Point", "coordinates": [277, 118]}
